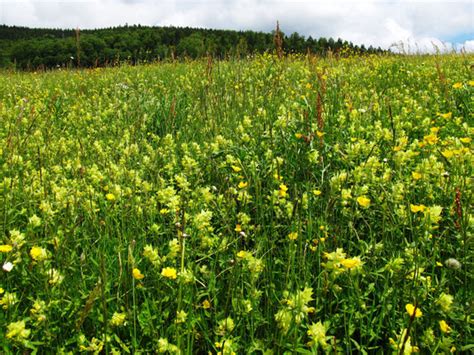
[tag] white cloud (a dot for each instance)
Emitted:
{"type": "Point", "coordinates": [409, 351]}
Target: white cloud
{"type": "Point", "coordinates": [417, 23]}
{"type": "Point", "coordinates": [468, 46]}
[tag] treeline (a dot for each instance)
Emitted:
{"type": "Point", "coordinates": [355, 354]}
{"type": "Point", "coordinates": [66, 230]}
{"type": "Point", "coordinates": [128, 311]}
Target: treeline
{"type": "Point", "coordinates": [32, 48]}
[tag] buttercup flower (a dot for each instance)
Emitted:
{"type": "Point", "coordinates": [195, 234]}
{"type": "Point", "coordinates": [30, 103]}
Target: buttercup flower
{"type": "Point", "coordinates": [136, 273]}
{"type": "Point", "coordinates": [5, 248]}
{"type": "Point", "coordinates": [110, 197]}
{"type": "Point", "coordinates": [169, 272]}
{"type": "Point", "coordinates": [351, 263]}
{"type": "Point", "coordinates": [243, 185]}
{"type": "Point", "coordinates": [293, 236]}
{"type": "Point", "coordinates": [38, 254]}
{"type": "Point", "coordinates": [416, 175]}
{"type": "Point", "coordinates": [445, 328]}
{"type": "Point", "coordinates": [411, 310]}
{"type": "Point", "coordinates": [417, 208]}
{"type": "Point", "coordinates": [282, 192]}
{"type": "Point", "coordinates": [363, 201]}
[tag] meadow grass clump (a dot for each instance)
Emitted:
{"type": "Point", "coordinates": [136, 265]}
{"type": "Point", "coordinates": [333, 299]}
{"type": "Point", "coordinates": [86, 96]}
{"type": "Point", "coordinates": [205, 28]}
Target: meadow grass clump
{"type": "Point", "coordinates": [254, 206]}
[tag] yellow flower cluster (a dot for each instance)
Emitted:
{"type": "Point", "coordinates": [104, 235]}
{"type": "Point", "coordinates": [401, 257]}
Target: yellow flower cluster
{"type": "Point", "coordinates": [337, 262]}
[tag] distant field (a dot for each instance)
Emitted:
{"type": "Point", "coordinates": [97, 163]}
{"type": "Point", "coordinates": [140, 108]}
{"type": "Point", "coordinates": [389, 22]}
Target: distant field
{"type": "Point", "coordinates": [299, 205]}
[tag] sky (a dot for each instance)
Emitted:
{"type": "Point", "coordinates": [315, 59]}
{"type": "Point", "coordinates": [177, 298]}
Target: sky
{"type": "Point", "coordinates": [405, 25]}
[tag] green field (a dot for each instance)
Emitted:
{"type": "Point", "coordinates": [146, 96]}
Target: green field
{"type": "Point", "coordinates": [300, 205]}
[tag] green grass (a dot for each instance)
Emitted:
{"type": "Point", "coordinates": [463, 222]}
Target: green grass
{"type": "Point", "coordinates": [250, 206]}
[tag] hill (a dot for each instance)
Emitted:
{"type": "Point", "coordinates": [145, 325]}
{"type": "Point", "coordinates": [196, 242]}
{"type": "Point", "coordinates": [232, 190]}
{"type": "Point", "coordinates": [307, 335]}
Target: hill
{"type": "Point", "coordinates": [32, 48]}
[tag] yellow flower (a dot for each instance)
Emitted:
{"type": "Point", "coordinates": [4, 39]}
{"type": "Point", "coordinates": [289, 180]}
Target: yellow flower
{"type": "Point", "coordinates": [431, 139]}
{"type": "Point", "coordinates": [17, 330]}
{"type": "Point", "coordinates": [465, 140]}
{"type": "Point", "coordinates": [38, 254]}
{"type": "Point", "coordinates": [225, 326]}
{"type": "Point", "coordinates": [363, 201]}
{"type": "Point", "coordinates": [37, 311]}
{"type": "Point", "coordinates": [351, 263]}
{"type": "Point", "coordinates": [402, 338]}
{"type": "Point", "coordinates": [457, 85]}
{"type": "Point", "coordinates": [137, 274]}
{"type": "Point", "coordinates": [447, 153]}
{"type": "Point", "coordinates": [445, 328]}
{"type": "Point", "coordinates": [298, 135]}
{"type": "Point", "coordinates": [169, 272]}
{"type": "Point", "coordinates": [110, 197]}
{"type": "Point", "coordinates": [319, 134]}
{"type": "Point", "coordinates": [316, 192]}
{"type": "Point", "coordinates": [434, 213]}
{"type": "Point", "coordinates": [417, 208]}
{"type": "Point", "coordinates": [242, 254]}
{"type": "Point", "coordinates": [317, 333]}
{"type": "Point", "coordinates": [8, 300]}
{"type": "Point", "coordinates": [243, 185]}
{"type": "Point", "coordinates": [445, 301]}
{"type": "Point", "coordinates": [55, 277]}
{"type": "Point", "coordinates": [411, 310]}
{"type": "Point", "coordinates": [447, 115]}
{"type": "Point", "coordinates": [118, 319]}
{"type": "Point", "coordinates": [236, 169]}
{"type": "Point", "coordinates": [35, 221]}
{"type": "Point", "coordinates": [5, 248]}
{"type": "Point", "coordinates": [181, 317]}
{"type": "Point", "coordinates": [416, 175]}
{"type": "Point", "coordinates": [470, 82]}
{"type": "Point", "coordinates": [206, 304]}
{"type": "Point", "coordinates": [293, 236]}
{"type": "Point", "coordinates": [238, 228]}
{"type": "Point", "coordinates": [283, 190]}
{"type": "Point", "coordinates": [346, 194]}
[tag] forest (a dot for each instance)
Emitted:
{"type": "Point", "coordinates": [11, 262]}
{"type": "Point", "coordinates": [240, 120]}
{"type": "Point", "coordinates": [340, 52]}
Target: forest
{"type": "Point", "coordinates": [35, 48]}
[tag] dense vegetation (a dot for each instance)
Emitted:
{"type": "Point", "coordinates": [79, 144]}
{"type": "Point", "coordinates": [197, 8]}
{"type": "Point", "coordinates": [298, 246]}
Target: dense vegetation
{"type": "Point", "coordinates": [26, 48]}
{"type": "Point", "coordinates": [294, 204]}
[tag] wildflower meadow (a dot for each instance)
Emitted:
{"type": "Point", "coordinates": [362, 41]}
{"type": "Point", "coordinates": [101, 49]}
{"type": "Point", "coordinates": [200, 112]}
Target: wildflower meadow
{"type": "Point", "coordinates": [268, 205]}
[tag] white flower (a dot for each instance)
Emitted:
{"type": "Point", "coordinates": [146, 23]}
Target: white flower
{"type": "Point", "coordinates": [8, 266]}
{"type": "Point", "coordinates": [453, 264]}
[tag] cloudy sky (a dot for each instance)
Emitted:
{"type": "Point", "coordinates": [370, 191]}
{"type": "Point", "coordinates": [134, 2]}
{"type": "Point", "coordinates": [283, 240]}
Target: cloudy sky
{"type": "Point", "coordinates": [417, 23]}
